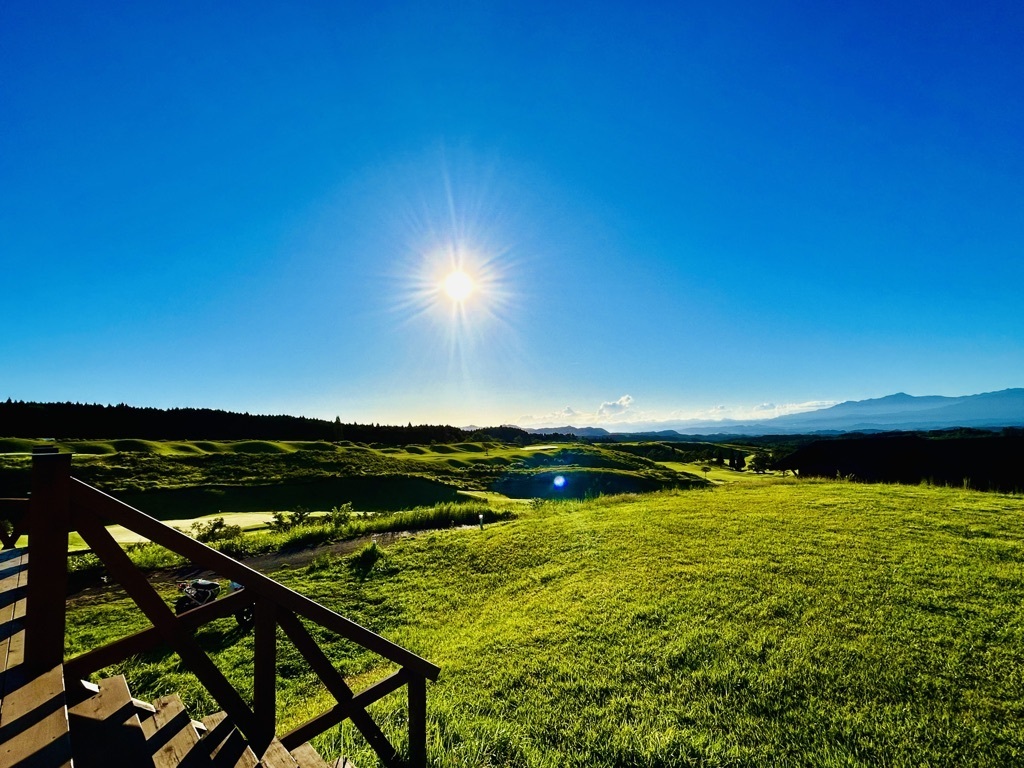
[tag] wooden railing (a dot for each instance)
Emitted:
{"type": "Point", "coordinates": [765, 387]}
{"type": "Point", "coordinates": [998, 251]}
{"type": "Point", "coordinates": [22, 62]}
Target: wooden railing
{"type": "Point", "coordinates": [60, 503]}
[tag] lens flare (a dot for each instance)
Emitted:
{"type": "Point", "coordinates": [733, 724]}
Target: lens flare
{"type": "Point", "coordinates": [559, 481]}
{"type": "Point", "coordinates": [458, 285]}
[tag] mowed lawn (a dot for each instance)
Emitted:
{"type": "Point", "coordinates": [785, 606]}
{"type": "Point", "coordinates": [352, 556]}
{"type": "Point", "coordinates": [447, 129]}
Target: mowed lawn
{"type": "Point", "coordinates": [778, 623]}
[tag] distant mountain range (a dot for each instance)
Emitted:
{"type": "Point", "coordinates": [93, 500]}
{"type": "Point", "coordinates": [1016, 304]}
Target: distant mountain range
{"type": "Point", "coordinates": [893, 412]}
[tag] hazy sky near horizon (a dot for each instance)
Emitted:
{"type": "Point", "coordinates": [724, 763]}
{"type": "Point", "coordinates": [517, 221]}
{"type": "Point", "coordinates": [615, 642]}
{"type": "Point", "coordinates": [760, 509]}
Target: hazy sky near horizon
{"type": "Point", "coordinates": [668, 210]}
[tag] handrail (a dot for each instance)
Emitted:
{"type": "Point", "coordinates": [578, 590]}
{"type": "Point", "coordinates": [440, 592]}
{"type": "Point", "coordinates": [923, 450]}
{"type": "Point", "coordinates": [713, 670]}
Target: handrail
{"type": "Point", "coordinates": [106, 506]}
{"type": "Point", "coordinates": [60, 503]}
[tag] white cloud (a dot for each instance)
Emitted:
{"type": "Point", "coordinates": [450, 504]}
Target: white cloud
{"type": "Point", "coordinates": [623, 414]}
{"type": "Point", "coordinates": [606, 412]}
{"type": "Point", "coordinates": [615, 407]}
{"type": "Point", "coordinates": [745, 412]}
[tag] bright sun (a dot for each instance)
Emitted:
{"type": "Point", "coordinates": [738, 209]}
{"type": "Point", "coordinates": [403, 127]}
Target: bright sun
{"type": "Point", "coordinates": [458, 285]}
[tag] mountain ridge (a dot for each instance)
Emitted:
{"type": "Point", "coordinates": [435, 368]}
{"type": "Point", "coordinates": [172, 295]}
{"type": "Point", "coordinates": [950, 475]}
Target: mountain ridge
{"type": "Point", "coordinates": [896, 412]}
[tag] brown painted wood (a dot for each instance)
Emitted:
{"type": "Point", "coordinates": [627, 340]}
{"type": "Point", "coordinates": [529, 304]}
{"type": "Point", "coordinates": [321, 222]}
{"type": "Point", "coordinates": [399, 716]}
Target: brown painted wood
{"type": "Point", "coordinates": [107, 507]}
{"type": "Point", "coordinates": [276, 756]}
{"type": "Point", "coordinates": [417, 721]}
{"type": "Point", "coordinates": [85, 664]}
{"type": "Point", "coordinates": [312, 653]}
{"type": "Point", "coordinates": [264, 691]}
{"type": "Point", "coordinates": [225, 743]}
{"type": "Point", "coordinates": [338, 688]}
{"type": "Point", "coordinates": [170, 733]}
{"type": "Point", "coordinates": [157, 611]}
{"type": "Point", "coordinates": [34, 721]}
{"type": "Point", "coordinates": [49, 521]}
{"type": "Point", "coordinates": [107, 722]}
{"type": "Point", "coordinates": [307, 757]}
{"type": "Point", "coordinates": [317, 725]}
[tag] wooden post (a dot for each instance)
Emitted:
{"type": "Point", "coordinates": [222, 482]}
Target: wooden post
{"type": "Point", "coordinates": [264, 689]}
{"type": "Point", "coordinates": [49, 520]}
{"type": "Point", "coordinates": [417, 720]}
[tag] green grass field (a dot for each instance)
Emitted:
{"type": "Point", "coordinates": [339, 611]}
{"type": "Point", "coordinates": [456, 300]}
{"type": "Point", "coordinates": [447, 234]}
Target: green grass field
{"type": "Point", "coordinates": [756, 624]}
{"type": "Point", "coordinates": [174, 480]}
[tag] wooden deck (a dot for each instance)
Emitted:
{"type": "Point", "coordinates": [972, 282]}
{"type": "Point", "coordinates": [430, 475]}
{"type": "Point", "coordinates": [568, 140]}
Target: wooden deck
{"type": "Point", "coordinates": [33, 711]}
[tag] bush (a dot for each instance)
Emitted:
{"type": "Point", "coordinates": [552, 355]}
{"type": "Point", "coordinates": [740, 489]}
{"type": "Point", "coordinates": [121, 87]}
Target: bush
{"type": "Point", "coordinates": [363, 561]}
{"type": "Point", "coordinates": [339, 517]}
{"type": "Point", "coordinates": [215, 530]}
{"type": "Point", "coordinates": [283, 521]}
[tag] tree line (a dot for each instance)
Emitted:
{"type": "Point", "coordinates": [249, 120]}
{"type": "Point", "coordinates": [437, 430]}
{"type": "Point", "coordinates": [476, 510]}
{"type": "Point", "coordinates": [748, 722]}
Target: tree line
{"type": "Point", "coordinates": [83, 421]}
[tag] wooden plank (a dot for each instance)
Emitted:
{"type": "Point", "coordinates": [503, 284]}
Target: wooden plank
{"type": "Point", "coordinates": [313, 653]}
{"type": "Point", "coordinates": [158, 612]}
{"type": "Point", "coordinates": [317, 725]}
{"type": "Point", "coordinates": [170, 734]}
{"type": "Point", "coordinates": [34, 722]}
{"type": "Point", "coordinates": [276, 756]}
{"type": "Point", "coordinates": [86, 663]}
{"type": "Point", "coordinates": [338, 688]}
{"type": "Point", "coordinates": [107, 507]}
{"type": "Point", "coordinates": [12, 608]}
{"type": "Point", "coordinates": [417, 722]}
{"type": "Point", "coordinates": [225, 743]}
{"type": "Point", "coordinates": [107, 718]}
{"type": "Point", "coordinates": [48, 525]}
{"type": "Point", "coordinates": [264, 681]}
{"type": "Point", "coordinates": [307, 757]}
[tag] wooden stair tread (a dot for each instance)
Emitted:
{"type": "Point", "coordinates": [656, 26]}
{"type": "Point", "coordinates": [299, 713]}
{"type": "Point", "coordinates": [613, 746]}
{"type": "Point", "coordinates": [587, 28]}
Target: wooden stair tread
{"type": "Point", "coordinates": [277, 756]}
{"type": "Point", "coordinates": [225, 743]}
{"type": "Point", "coordinates": [104, 720]}
{"type": "Point", "coordinates": [169, 733]}
{"type": "Point", "coordinates": [34, 722]}
{"type": "Point", "coordinates": [307, 757]}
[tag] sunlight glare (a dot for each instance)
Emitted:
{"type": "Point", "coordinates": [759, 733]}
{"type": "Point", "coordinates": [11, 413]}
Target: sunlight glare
{"type": "Point", "coordinates": [458, 285]}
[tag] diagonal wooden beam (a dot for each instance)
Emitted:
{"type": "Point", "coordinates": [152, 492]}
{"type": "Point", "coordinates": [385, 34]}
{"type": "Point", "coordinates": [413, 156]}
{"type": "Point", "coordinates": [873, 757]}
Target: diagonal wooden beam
{"type": "Point", "coordinates": [312, 653]}
{"type": "Point", "coordinates": [338, 688]}
{"type": "Point", "coordinates": [85, 664]}
{"type": "Point", "coordinates": [106, 507]}
{"type": "Point", "coordinates": [174, 632]}
{"type": "Point", "coordinates": [317, 725]}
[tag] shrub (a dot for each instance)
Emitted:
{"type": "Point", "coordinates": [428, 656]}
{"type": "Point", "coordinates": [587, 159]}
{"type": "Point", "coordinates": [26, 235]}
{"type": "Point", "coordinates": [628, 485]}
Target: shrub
{"type": "Point", "coordinates": [283, 521]}
{"type": "Point", "coordinates": [340, 516]}
{"type": "Point", "coordinates": [363, 561]}
{"type": "Point", "coordinates": [215, 530]}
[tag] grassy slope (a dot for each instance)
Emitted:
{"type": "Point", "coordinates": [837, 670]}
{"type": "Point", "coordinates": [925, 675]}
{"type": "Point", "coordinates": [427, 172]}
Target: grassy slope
{"type": "Point", "coordinates": [179, 479]}
{"type": "Point", "coordinates": [783, 623]}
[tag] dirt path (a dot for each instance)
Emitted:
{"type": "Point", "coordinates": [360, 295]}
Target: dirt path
{"type": "Point", "coordinates": [262, 563]}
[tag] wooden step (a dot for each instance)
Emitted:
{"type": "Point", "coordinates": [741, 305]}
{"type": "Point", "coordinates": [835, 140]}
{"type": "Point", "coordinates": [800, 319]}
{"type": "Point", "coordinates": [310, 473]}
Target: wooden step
{"type": "Point", "coordinates": [34, 722]}
{"type": "Point", "coordinates": [277, 756]}
{"type": "Point", "coordinates": [226, 745]}
{"type": "Point", "coordinates": [170, 735]}
{"type": "Point", "coordinates": [307, 757]}
{"type": "Point", "coordinates": [104, 720]}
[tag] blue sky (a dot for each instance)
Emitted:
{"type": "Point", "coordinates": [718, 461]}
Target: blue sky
{"type": "Point", "coordinates": [669, 210]}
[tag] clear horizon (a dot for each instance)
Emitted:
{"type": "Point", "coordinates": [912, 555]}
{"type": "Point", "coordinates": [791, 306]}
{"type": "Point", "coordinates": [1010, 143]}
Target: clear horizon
{"type": "Point", "coordinates": [659, 212]}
